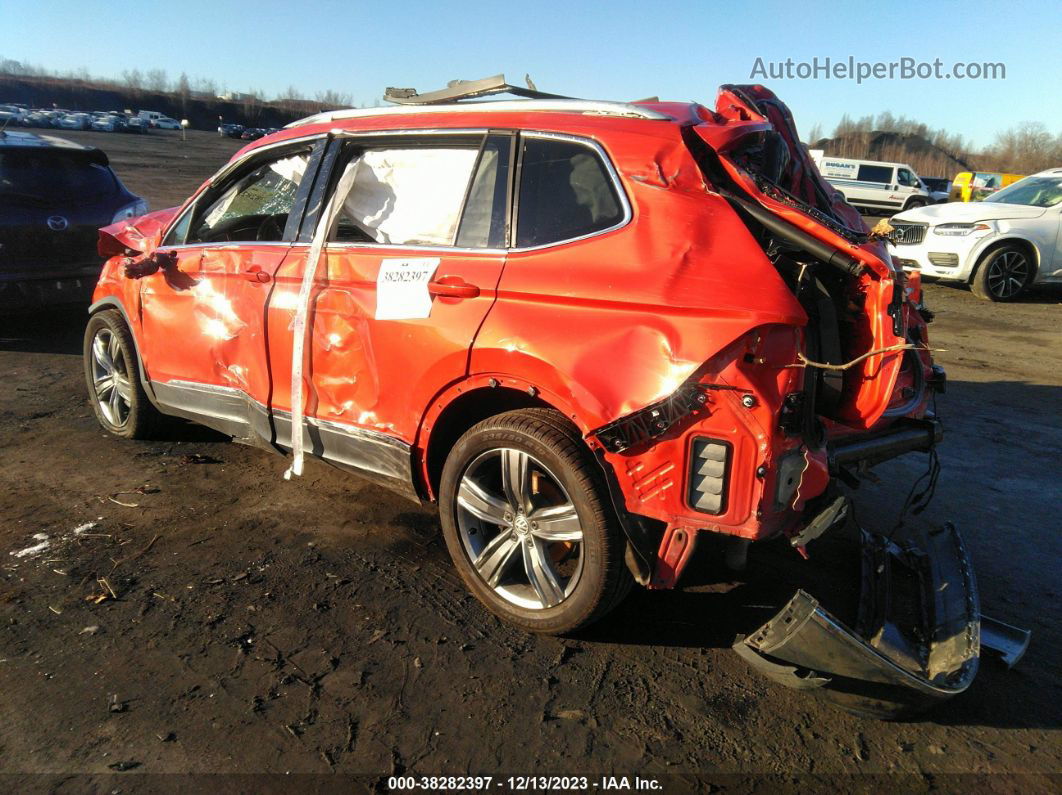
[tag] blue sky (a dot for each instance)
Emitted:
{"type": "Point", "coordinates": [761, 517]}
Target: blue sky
{"type": "Point", "coordinates": [622, 49]}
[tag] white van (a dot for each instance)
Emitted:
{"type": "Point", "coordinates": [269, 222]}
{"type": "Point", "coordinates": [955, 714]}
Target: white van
{"type": "Point", "coordinates": [151, 117]}
{"type": "Point", "coordinates": [872, 186]}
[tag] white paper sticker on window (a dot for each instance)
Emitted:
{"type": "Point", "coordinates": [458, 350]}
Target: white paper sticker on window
{"type": "Point", "coordinates": [402, 288]}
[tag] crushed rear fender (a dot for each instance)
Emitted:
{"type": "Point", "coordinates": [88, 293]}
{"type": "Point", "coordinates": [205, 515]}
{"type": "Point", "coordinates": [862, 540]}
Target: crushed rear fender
{"type": "Point", "coordinates": [916, 643]}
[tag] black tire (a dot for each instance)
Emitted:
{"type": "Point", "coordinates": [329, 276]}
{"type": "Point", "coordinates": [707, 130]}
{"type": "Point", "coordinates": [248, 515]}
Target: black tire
{"type": "Point", "coordinates": [914, 204]}
{"type": "Point", "coordinates": [1003, 274]}
{"type": "Point", "coordinates": [123, 408]}
{"type": "Point", "coordinates": [557, 457]}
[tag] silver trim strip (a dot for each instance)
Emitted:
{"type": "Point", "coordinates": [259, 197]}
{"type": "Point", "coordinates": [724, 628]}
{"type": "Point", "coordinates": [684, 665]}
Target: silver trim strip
{"type": "Point", "coordinates": [373, 455]}
{"type": "Point", "coordinates": [229, 244]}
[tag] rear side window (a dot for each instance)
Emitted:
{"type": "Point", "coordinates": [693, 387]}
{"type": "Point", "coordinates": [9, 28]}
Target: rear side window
{"type": "Point", "coordinates": [404, 196]}
{"type": "Point", "coordinates": [565, 193]}
{"type": "Point", "coordinates": [49, 175]}
{"type": "Point", "coordinates": [882, 174]}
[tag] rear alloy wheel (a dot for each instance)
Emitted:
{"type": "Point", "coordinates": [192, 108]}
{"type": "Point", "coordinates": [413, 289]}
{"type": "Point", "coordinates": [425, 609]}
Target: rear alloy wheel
{"type": "Point", "coordinates": [112, 375]}
{"type": "Point", "coordinates": [527, 526]}
{"type": "Point", "coordinates": [1003, 275]}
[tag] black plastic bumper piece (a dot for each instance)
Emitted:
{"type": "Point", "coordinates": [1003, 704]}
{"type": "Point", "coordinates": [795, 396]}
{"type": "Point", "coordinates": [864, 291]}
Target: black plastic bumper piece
{"type": "Point", "coordinates": [905, 436]}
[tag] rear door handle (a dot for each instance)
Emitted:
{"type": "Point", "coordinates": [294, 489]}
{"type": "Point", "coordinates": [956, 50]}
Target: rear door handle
{"type": "Point", "coordinates": [256, 274]}
{"type": "Point", "coordinates": [452, 287]}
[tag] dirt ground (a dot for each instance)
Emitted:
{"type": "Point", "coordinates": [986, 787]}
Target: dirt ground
{"type": "Point", "coordinates": [175, 606]}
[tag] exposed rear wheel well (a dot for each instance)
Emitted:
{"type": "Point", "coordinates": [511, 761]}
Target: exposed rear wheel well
{"type": "Point", "coordinates": [464, 412]}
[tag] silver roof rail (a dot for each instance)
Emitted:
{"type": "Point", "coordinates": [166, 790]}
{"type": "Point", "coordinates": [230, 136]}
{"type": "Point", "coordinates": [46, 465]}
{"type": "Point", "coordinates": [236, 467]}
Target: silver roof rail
{"type": "Point", "coordinates": [588, 107]}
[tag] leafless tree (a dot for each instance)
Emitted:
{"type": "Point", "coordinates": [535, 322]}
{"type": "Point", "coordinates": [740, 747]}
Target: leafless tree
{"type": "Point", "coordinates": [133, 80]}
{"type": "Point", "coordinates": [333, 99]}
{"type": "Point", "coordinates": [184, 91]}
{"type": "Point", "coordinates": [156, 80]}
{"type": "Point", "coordinates": [1027, 148]}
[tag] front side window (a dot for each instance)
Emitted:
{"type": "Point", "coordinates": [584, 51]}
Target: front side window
{"type": "Point", "coordinates": [403, 196]}
{"type": "Point", "coordinates": [252, 206]}
{"type": "Point", "coordinates": [565, 193]}
{"type": "Point", "coordinates": [906, 178]}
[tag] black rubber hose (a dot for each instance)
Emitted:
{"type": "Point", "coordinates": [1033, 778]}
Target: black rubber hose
{"type": "Point", "coordinates": [796, 237]}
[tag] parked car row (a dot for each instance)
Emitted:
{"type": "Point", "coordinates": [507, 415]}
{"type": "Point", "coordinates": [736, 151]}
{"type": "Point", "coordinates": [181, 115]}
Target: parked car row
{"type": "Point", "coordinates": [102, 120]}
{"type": "Point", "coordinates": [229, 130]}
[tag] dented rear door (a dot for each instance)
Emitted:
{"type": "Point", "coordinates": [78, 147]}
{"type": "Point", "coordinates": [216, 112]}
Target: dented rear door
{"type": "Point", "coordinates": [435, 206]}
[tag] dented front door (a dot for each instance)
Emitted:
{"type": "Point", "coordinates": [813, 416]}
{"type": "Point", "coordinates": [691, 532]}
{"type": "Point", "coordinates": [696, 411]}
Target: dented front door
{"type": "Point", "coordinates": [203, 331]}
{"type": "Point", "coordinates": [204, 309]}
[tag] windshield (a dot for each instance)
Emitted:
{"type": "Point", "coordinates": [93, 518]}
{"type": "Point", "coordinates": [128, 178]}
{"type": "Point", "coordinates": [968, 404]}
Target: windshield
{"type": "Point", "coordinates": [1031, 191]}
{"type": "Point", "coordinates": [50, 175]}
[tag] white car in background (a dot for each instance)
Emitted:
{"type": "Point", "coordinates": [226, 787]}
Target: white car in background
{"type": "Point", "coordinates": [1000, 246]}
{"type": "Point", "coordinates": [166, 123]}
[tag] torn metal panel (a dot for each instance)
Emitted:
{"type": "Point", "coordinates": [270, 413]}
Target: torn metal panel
{"type": "Point", "coordinates": [140, 236]}
{"type": "Point", "coordinates": [466, 89]}
{"type": "Point", "coordinates": [917, 641]}
{"type": "Point", "coordinates": [298, 348]}
{"type": "Point", "coordinates": [1005, 642]}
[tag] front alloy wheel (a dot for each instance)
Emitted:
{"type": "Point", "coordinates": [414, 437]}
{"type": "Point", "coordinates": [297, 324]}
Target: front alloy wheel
{"type": "Point", "coordinates": [527, 520]}
{"type": "Point", "coordinates": [111, 382]}
{"type": "Point", "coordinates": [112, 376]}
{"type": "Point", "coordinates": [1004, 274]}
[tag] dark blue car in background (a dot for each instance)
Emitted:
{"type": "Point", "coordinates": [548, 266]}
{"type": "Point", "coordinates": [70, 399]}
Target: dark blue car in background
{"type": "Point", "coordinates": [54, 197]}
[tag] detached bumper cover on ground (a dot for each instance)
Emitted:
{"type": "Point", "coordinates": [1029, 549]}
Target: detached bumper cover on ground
{"type": "Point", "coordinates": [918, 635]}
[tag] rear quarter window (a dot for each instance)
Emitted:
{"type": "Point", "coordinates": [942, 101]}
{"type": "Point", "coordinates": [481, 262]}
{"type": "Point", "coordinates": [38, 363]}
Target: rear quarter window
{"type": "Point", "coordinates": [565, 192]}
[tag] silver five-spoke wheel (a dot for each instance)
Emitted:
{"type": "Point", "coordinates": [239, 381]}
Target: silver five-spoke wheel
{"type": "Point", "coordinates": [111, 378]}
{"type": "Point", "coordinates": [519, 528]}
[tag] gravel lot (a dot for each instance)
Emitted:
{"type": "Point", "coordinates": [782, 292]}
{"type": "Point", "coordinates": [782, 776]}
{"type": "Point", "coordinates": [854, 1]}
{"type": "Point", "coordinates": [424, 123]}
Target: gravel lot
{"type": "Point", "coordinates": [190, 611]}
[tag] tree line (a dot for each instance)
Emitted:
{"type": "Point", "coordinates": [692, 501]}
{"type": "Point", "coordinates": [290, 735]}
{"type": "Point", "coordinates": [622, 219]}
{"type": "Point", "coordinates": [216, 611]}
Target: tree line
{"type": "Point", "coordinates": [1025, 148]}
{"type": "Point", "coordinates": [136, 83]}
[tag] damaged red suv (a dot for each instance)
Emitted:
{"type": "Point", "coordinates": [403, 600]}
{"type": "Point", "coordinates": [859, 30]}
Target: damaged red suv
{"type": "Point", "coordinates": [591, 332]}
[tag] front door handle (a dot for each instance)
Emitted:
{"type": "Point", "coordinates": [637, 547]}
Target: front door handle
{"type": "Point", "coordinates": [452, 287]}
{"type": "Point", "coordinates": [256, 274]}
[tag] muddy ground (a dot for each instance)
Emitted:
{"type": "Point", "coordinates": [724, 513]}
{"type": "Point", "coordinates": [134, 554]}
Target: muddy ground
{"type": "Point", "coordinates": [189, 611]}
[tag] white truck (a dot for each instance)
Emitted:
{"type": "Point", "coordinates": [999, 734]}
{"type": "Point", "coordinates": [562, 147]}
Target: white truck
{"type": "Point", "coordinates": [873, 186]}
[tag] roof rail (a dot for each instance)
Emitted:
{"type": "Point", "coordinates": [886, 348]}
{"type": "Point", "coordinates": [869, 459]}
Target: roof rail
{"type": "Point", "coordinates": [457, 90]}
{"type": "Point", "coordinates": [582, 106]}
